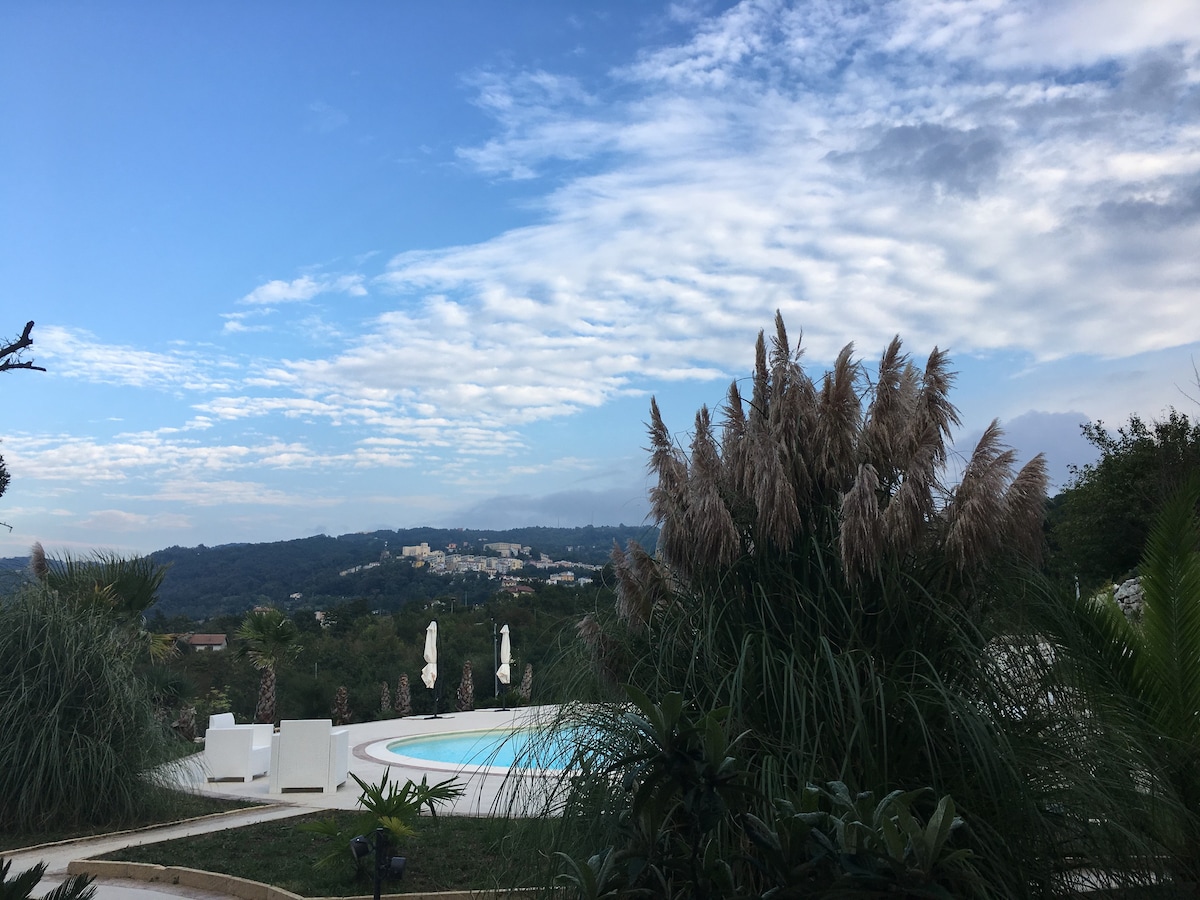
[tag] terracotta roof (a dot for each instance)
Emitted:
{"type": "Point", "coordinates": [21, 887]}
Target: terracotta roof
{"type": "Point", "coordinates": [207, 640]}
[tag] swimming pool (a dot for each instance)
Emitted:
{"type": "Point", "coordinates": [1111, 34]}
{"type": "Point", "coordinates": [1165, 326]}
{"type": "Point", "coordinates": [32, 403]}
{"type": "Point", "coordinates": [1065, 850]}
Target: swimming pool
{"type": "Point", "coordinates": [520, 748]}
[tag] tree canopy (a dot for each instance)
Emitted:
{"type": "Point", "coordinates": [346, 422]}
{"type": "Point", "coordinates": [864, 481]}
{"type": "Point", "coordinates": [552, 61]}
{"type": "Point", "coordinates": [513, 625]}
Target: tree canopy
{"type": "Point", "coordinates": [1099, 525]}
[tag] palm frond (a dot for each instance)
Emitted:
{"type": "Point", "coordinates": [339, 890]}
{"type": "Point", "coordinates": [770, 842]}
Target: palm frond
{"type": "Point", "coordinates": [1171, 618]}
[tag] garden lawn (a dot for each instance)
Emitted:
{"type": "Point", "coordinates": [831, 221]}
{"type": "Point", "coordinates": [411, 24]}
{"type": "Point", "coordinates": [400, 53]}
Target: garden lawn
{"type": "Point", "coordinates": [447, 853]}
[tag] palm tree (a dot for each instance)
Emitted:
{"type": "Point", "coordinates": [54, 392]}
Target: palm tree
{"type": "Point", "coordinates": [123, 587]}
{"type": "Point", "coordinates": [269, 640]}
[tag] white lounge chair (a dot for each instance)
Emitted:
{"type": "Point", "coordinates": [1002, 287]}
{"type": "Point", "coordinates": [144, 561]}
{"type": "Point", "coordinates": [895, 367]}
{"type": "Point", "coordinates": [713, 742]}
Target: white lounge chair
{"type": "Point", "coordinates": [236, 751]}
{"type": "Point", "coordinates": [309, 754]}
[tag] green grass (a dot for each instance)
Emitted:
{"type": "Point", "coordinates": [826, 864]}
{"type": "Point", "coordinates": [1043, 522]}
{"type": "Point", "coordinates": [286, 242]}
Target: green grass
{"type": "Point", "coordinates": [447, 853]}
{"type": "Point", "coordinates": [180, 806]}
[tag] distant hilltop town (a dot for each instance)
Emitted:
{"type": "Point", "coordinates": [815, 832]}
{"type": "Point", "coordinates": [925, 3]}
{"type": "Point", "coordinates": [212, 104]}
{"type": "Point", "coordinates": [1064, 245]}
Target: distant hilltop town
{"type": "Point", "coordinates": [500, 560]}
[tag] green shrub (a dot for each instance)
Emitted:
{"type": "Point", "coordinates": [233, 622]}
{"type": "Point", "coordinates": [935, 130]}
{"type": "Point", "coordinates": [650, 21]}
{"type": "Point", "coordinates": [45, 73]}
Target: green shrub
{"type": "Point", "coordinates": [825, 575]}
{"type": "Point", "coordinates": [78, 735]}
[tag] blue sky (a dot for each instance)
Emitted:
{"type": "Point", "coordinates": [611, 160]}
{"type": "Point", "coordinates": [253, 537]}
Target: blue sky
{"type": "Point", "coordinates": [302, 268]}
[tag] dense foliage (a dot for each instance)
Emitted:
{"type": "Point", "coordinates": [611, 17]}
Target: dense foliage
{"type": "Point", "coordinates": [1134, 682]}
{"type": "Point", "coordinates": [78, 732]}
{"type": "Point", "coordinates": [1100, 523]}
{"type": "Point", "coordinates": [360, 649]}
{"type": "Point", "coordinates": [860, 620]}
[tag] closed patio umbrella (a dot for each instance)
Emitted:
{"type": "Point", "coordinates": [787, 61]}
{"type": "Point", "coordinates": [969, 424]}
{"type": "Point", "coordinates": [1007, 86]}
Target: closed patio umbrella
{"type": "Point", "coordinates": [505, 657]}
{"type": "Point", "coordinates": [429, 673]}
{"type": "Point", "coordinates": [503, 675]}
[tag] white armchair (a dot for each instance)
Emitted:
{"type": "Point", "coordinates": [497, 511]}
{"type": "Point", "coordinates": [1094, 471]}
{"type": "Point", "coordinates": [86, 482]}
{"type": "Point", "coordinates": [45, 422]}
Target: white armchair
{"type": "Point", "coordinates": [236, 751]}
{"type": "Point", "coordinates": [309, 754]}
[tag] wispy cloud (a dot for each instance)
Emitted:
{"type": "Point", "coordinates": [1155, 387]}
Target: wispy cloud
{"type": "Point", "coordinates": [109, 521]}
{"type": "Point", "coordinates": [304, 288]}
{"type": "Point", "coordinates": [325, 118]}
{"type": "Point", "coordinates": [947, 171]}
{"type": "Point", "coordinates": [78, 354]}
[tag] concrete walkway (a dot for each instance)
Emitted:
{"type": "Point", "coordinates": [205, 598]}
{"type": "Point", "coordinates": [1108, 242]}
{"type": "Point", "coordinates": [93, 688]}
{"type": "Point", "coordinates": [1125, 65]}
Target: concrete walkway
{"type": "Point", "coordinates": [486, 789]}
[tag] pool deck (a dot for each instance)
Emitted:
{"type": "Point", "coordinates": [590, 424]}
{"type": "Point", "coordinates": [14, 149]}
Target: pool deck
{"type": "Point", "coordinates": [484, 786]}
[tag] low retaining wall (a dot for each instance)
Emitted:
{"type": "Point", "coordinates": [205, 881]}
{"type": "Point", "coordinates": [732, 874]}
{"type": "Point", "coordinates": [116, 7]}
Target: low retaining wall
{"type": "Point", "coordinates": [244, 888]}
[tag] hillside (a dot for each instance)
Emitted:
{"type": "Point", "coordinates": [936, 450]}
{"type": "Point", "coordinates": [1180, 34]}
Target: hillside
{"type": "Point", "coordinates": [207, 581]}
{"type": "Point", "coordinates": [202, 582]}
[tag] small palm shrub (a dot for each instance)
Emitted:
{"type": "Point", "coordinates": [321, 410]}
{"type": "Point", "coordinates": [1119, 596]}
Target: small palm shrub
{"type": "Point", "coordinates": [389, 805]}
{"type": "Point", "coordinates": [20, 887]}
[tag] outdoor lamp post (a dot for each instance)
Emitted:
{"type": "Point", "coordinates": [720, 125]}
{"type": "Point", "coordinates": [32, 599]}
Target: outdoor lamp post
{"type": "Point", "coordinates": [392, 866]}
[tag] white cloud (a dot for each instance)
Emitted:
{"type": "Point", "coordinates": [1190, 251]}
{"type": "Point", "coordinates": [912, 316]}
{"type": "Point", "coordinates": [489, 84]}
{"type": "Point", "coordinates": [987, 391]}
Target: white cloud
{"type": "Point", "coordinates": [304, 288]}
{"type": "Point", "coordinates": [1033, 33]}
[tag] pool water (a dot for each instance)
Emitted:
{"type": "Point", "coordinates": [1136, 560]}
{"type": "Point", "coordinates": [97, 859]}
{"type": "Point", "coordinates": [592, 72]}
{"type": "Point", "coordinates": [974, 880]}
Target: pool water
{"type": "Point", "coordinates": [519, 749]}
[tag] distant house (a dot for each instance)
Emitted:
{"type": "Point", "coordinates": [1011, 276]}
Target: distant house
{"type": "Point", "coordinates": [518, 590]}
{"type": "Point", "coordinates": [207, 641]}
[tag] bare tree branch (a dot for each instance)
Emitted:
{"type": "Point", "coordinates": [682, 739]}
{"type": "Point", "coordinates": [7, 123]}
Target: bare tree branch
{"type": "Point", "coordinates": [10, 356]}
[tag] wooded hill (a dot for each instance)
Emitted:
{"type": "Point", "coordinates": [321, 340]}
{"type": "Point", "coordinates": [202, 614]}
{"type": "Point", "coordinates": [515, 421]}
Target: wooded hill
{"type": "Point", "coordinates": [202, 582]}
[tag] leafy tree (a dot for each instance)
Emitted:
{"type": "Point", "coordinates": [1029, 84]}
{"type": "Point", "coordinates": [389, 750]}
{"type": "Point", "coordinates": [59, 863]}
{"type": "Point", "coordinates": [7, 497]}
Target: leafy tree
{"type": "Point", "coordinates": [269, 640]}
{"type": "Point", "coordinates": [1100, 523]}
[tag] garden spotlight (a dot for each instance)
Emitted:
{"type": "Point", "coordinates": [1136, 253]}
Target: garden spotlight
{"type": "Point", "coordinates": [391, 866]}
{"type": "Point", "coordinates": [359, 847]}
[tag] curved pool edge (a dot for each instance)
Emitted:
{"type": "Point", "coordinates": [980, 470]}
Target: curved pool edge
{"type": "Point", "coordinates": [381, 752]}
